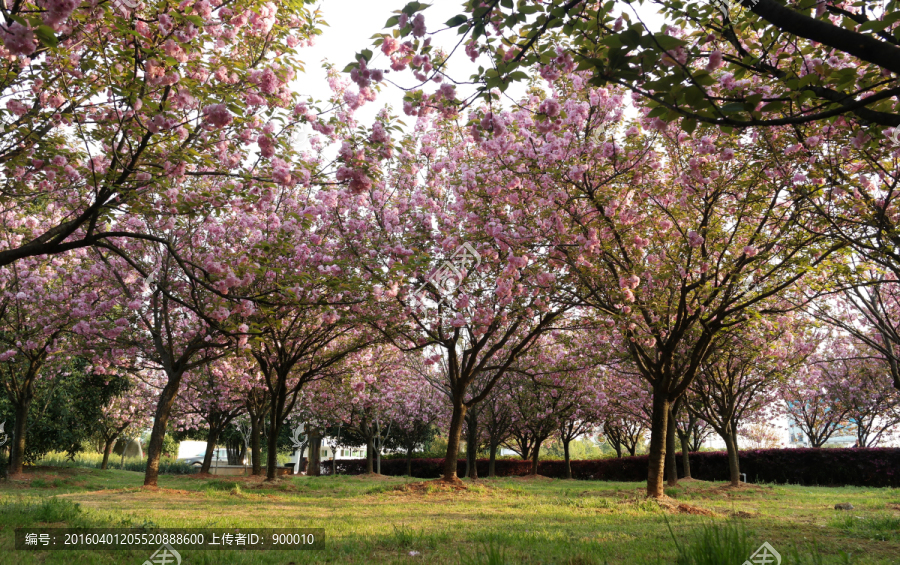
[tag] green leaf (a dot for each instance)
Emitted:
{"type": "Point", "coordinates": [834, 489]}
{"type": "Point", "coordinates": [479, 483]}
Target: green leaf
{"type": "Point", "coordinates": [457, 20]}
{"type": "Point", "coordinates": [46, 35]}
{"type": "Point", "coordinates": [689, 125]}
{"type": "Point", "coordinates": [612, 41]}
{"type": "Point", "coordinates": [413, 7]}
{"type": "Point", "coordinates": [733, 107]}
{"type": "Point", "coordinates": [776, 106]}
{"type": "Point", "coordinates": [874, 25]}
{"type": "Point", "coordinates": [668, 42]}
{"type": "Point", "coordinates": [392, 21]}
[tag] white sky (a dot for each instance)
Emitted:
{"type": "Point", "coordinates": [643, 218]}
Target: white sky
{"type": "Point", "coordinates": [351, 26]}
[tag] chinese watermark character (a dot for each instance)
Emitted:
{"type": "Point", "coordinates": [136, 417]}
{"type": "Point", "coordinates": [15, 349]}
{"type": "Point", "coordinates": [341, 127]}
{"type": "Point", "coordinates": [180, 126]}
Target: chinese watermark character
{"type": "Point", "coordinates": [765, 555]}
{"type": "Point", "coordinates": [895, 136]}
{"type": "Point", "coordinates": [126, 6]}
{"type": "Point", "coordinates": [448, 277]}
{"type": "Point", "coordinates": [297, 443]}
{"type": "Point", "coordinates": [600, 131]}
{"type": "Point", "coordinates": [725, 6]}
{"type": "Point", "coordinates": [165, 555]}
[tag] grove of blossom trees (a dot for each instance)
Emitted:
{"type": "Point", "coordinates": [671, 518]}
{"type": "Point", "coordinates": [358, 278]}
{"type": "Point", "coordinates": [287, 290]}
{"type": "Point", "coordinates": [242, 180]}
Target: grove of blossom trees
{"type": "Point", "coordinates": [601, 255]}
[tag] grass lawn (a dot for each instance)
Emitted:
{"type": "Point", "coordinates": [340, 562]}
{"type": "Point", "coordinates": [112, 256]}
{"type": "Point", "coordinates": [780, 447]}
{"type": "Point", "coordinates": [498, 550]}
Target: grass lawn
{"type": "Point", "coordinates": [379, 520]}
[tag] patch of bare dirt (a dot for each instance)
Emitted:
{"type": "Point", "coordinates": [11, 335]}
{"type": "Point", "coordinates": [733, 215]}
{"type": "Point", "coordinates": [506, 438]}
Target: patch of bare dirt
{"type": "Point", "coordinates": [742, 514]}
{"type": "Point", "coordinates": [675, 507]}
{"type": "Point", "coordinates": [437, 486]}
{"type": "Point", "coordinates": [689, 509]}
{"type": "Point", "coordinates": [371, 476]}
{"type": "Point", "coordinates": [169, 491]}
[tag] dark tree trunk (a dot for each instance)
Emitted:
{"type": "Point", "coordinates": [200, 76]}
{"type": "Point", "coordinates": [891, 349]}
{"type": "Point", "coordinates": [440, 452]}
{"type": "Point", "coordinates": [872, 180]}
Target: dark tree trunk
{"type": "Point", "coordinates": [278, 394]}
{"type": "Point", "coordinates": [535, 453]}
{"type": "Point", "coordinates": [370, 454]}
{"type": "Point", "coordinates": [17, 446]}
{"type": "Point", "coordinates": [212, 440]}
{"type": "Point", "coordinates": [671, 461]}
{"type": "Point", "coordinates": [315, 454]}
{"type": "Point", "coordinates": [657, 456]}
{"type": "Point", "coordinates": [492, 462]}
{"type": "Point", "coordinates": [107, 449]}
{"type": "Point", "coordinates": [255, 448]}
{"type": "Point", "coordinates": [471, 445]}
{"type": "Point", "coordinates": [566, 455]}
{"type": "Point", "coordinates": [158, 433]}
{"type": "Point", "coordinates": [734, 464]}
{"type": "Point", "coordinates": [456, 422]}
{"type": "Point", "coordinates": [409, 461]}
{"type": "Point", "coordinates": [685, 457]}
{"type": "Point", "coordinates": [272, 448]}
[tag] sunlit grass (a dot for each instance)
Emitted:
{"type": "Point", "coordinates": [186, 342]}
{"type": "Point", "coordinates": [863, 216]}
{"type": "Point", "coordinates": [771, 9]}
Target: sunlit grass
{"type": "Point", "coordinates": [493, 521]}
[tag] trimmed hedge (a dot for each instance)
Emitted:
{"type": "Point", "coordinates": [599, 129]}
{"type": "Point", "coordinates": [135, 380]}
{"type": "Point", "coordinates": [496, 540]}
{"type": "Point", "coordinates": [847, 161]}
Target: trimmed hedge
{"type": "Point", "coordinates": [879, 467]}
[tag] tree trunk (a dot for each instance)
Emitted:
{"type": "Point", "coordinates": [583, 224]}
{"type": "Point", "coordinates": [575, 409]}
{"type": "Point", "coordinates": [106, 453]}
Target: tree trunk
{"type": "Point", "coordinates": [456, 422]}
{"type": "Point", "coordinates": [671, 461]}
{"type": "Point", "coordinates": [492, 462]}
{"type": "Point", "coordinates": [409, 462]}
{"type": "Point", "coordinates": [734, 465]}
{"type": "Point", "coordinates": [657, 456]}
{"type": "Point", "coordinates": [212, 439]}
{"type": "Point", "coordinates": [107, 449]}
{"type": "Point", "coordinates": [158, 433]}
{"type": "Point", "coordinates": [568, 461]}
{"type": "Point", "coordinates": [17, 447]}
{"type": "Point", "coordinates": [534, 457]}
{"type": "Point", "coordinates": [370, 454]}
{"type": "Point", "coordinates": [255, 449]}
{"type": "Point", "coordinates": [272, 447]}
{"type": "Point", "coordinates": [685, 458]}
{"type": "Point", "coordinates": [315, 455]}
{"type": "Point", "coordinates": [471, 445]}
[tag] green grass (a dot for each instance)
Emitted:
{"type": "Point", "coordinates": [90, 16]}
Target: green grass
{"type": "Point", "coordinates": [498, 521]}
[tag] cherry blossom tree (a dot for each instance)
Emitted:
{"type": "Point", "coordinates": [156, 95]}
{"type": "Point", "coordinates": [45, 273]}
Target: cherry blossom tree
{"type": "Point", "coordinates": [213, 396]}
{"type": "Point", "coordinates": [109, 107]}
{"type": "Point", "coordinates": [506, 298]}
{"type": "Point", "coordinates": [738, 381]}
{"type": "Point", "coordinates": [672, 237]}
{"type": "Point", "coordinates": [856, 378]}
{"type": "Point", "coordinates": [811, 402]}
{"type": "Point", "coordinates": [756, 63]}
{"type": "Point", "coordinates": [154, 315]}
{"type": "Point", "coordinates": [42, 300]}
{"type": "Point", "coordinates": [130, 409]}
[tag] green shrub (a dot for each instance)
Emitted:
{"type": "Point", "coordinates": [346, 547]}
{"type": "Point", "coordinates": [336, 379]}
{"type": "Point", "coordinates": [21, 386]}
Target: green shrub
{"type": "Point", "coordinates": [167, 465]}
